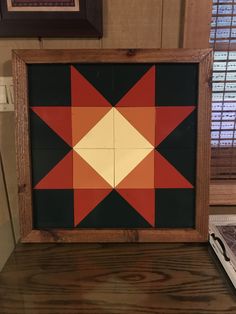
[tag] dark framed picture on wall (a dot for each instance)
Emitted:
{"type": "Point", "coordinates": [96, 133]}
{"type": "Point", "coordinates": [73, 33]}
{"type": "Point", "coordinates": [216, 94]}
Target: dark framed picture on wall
{"type": "Point", "coordinates": [51, 18]}
{"type": "Point", "coordinates": [113, 145]}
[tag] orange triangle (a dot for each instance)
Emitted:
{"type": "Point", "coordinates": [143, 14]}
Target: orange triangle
{"type": "Point", "coordinates": [168, 118]}
{"type": "Point", "coordinates": [85, 200]}
{"type": "Point", "coordinates": [85, 177]}
{"type": "Point", "coordinates": [142, 176]}
{"type": "Point", "coordinates": [143, 119]}
{"type": "Point", "coordinates": [142, 94]}
{"type": "Point", "coordinates": [60, 177]}
{"type": "Point", "coordinates": [143, 201]}
{"type": "Point", "coordinates": [58, 119]}
{"type": "Point", "coordinates": [83, 93]}
{"type": "Point", "coordinates": [166, 176]}
{"type": "Point", "coordinates": [84, 119]}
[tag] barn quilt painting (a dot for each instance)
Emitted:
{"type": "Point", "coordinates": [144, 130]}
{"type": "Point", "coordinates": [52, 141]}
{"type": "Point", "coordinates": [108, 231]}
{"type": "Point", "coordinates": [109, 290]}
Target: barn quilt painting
{"type": "Point", "coordinates": [113, 145]}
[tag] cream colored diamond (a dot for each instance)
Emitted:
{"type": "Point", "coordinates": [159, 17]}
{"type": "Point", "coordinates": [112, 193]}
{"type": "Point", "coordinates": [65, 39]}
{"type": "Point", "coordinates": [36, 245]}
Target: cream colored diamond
{"type": "Point", "coordinates": [126, 160]}
{"type": "Point", "coordinates": [113, 147]}
{"type": "Point", "coordinates": [102, 160]}
{"type": "Point", "coordinates": [101, 135]}
{"type": "Point", "coordinates": [126, 136]}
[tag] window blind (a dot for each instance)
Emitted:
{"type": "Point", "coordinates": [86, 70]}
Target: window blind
{"type": "Point", "coordinates": [223, 128]}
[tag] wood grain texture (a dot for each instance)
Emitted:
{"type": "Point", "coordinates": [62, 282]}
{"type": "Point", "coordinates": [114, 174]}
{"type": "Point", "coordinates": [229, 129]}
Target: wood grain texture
{"type": "Point", "coordinates": [197, 23]}
{"type": "Point", "coordinates": [117, 279]}
{"type": "Point", "coordinates": [172, 20]}
{"type": "Point", "coordinates": [22, 144]}
{"type": "Point", "coordinates": [203, 146]}
{"type": "Point", "coordinates": [222, 210]}
{"type": "Point", "coordinates": [132, 24]}
{"type": "Point", "coordinates": [223, 192]}
{"type": "Point", "coordinates": [223, 163]}
{"type": "Point", "coordinates": [65, 43]}
{"type": "Point", "coordinates": [114, 235]}
{"type": "Point", "coordinates": [20, 60]}
{"type": "Point", "coordinates": [111, 55]}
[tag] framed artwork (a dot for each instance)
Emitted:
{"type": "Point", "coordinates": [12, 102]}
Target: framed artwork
{"type": "Point", "coordinates": [113, 145]}
{"type": "Point", "coordinates": [51, 18]}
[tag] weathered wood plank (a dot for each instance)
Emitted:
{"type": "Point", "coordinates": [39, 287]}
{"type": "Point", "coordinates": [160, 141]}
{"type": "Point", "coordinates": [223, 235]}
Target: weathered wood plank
{"type": "Point", "coordinates": [132, 24]}
{"type": "Point", "coordinates": [197, 23]}
{"type": "Point", "coordinates": [172, 20]}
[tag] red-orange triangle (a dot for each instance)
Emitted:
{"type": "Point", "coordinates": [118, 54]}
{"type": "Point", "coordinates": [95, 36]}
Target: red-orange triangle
{"type": "Point", "coordinates": [142, 200]}
{"type": "Point", "coordinates": [166, 176]}
{"type": "Point", "coordinates": [58, 119]}
{"type": "Point", "coordinates": [142, 94]}
{"type": "Point", "coordinates": [142, 176]}
{"type": "Point", "coordinates": [60, 177]}
{"type": "Point", "coordinates": [85, 200]}
{"type": "Point", "coordinates": [84, 119]}
{"type": "Point", "coordinates": [83, 94]}
{"type": "Point", "coordinates": [143, 119]}
{"type": "Point", "coordinates": [168, 118]}
{"type": "Point", "coordinates": [85, 177]}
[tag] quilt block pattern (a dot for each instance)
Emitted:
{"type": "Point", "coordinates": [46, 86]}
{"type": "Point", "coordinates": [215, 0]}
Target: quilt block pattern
{"type": "Point", "coordinates": [113, 145]}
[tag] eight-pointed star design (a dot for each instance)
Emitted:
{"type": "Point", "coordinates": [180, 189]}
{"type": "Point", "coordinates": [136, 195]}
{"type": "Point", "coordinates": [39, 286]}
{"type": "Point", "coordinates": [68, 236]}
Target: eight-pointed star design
{"type": "Point", "coordinates": [113, 147]}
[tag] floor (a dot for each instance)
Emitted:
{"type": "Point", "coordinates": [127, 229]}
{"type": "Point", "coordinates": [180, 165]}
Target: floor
{"type": "Point", "coordinates": [114, 278]}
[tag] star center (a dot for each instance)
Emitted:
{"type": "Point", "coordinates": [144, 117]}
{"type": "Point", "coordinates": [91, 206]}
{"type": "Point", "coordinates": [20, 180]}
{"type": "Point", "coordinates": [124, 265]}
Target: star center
{"type": "Point", "coordinates": [113, 147]}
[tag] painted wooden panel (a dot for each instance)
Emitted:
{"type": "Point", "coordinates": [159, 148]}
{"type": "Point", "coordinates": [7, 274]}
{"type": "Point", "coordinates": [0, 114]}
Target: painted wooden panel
{"type": "Point", "coordinates": [197, 23]}
{"type": "Point", "coordinates": [132, 24]}
{"type": "Point", "coordinates": [172, 24]}
{"type": "Point", "coordinates": [114, 148]}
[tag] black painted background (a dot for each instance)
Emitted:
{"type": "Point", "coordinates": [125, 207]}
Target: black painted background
{"type": "Point", "coordinates": [176, 85]}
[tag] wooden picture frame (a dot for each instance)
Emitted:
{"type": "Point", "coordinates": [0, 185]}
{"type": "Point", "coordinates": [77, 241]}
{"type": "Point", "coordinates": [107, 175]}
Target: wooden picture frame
{"type": "Point", "coordinates": [23, 58]}
{"type": "Point", "coordinates": [83, 19]}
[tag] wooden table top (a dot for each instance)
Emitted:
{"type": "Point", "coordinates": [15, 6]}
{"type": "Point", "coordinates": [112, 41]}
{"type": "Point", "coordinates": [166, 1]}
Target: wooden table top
{"type": "Point", "coordinates": [114, 278]}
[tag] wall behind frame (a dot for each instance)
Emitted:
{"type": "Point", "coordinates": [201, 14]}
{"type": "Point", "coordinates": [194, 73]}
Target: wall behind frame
{"type": "Point", "coordinates": [127, 24]}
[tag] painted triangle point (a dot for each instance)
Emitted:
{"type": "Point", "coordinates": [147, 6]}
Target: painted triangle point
{"type": "Point", "coordinates": [166, 176]}
{"type": "Point", "coordinates": [58, 119]}
{"type": "Point", "coordinates": [83, 93]}
{"type": "Point", "coordinates": [142, 176]}
{"type": "Point", "coordinates": [142, 200]}
{"type": "Point", "coordinates": [85, 175]}
{"type": "Point", "coordinates": [142, 94]}
{"type": "Point", "coordinates": [85, 200]}
{"type": "Point", "coordinates": [142, 119]}
{"type": "Point", "coordinates": [84, 119]}
{"type": "Point", "coordinates": [60, 177]}
{"type": "Point", "coordinates": [168, 118]}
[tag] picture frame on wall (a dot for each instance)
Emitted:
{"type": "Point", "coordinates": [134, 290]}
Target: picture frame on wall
{"type": "Point", "coordinates": [113, 145]}
{"type": "Point", "coordinates": [44, 18]}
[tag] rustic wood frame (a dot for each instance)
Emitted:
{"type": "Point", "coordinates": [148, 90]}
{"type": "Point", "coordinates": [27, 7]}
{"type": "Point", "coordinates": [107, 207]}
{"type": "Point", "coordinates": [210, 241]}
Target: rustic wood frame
{"type": "Point", "coordinates": [86, 22]}
{"type": "Point", "coordinates": [21, 58]}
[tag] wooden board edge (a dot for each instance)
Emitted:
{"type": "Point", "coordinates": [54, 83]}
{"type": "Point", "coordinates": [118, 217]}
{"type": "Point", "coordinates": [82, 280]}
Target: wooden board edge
{"type": "Point", "coordinates": [111, 235]}
{"type": "Point", "coordinates": [203, 145]}
{"type": "Point", "coordinates": [111, 55]}
{"type": "Point", "coordinates": [22, 143]}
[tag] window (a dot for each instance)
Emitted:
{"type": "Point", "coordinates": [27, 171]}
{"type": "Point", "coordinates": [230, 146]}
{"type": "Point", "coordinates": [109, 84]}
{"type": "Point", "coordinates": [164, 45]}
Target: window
{"type": "Point", "coordinates": [223, 130]}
